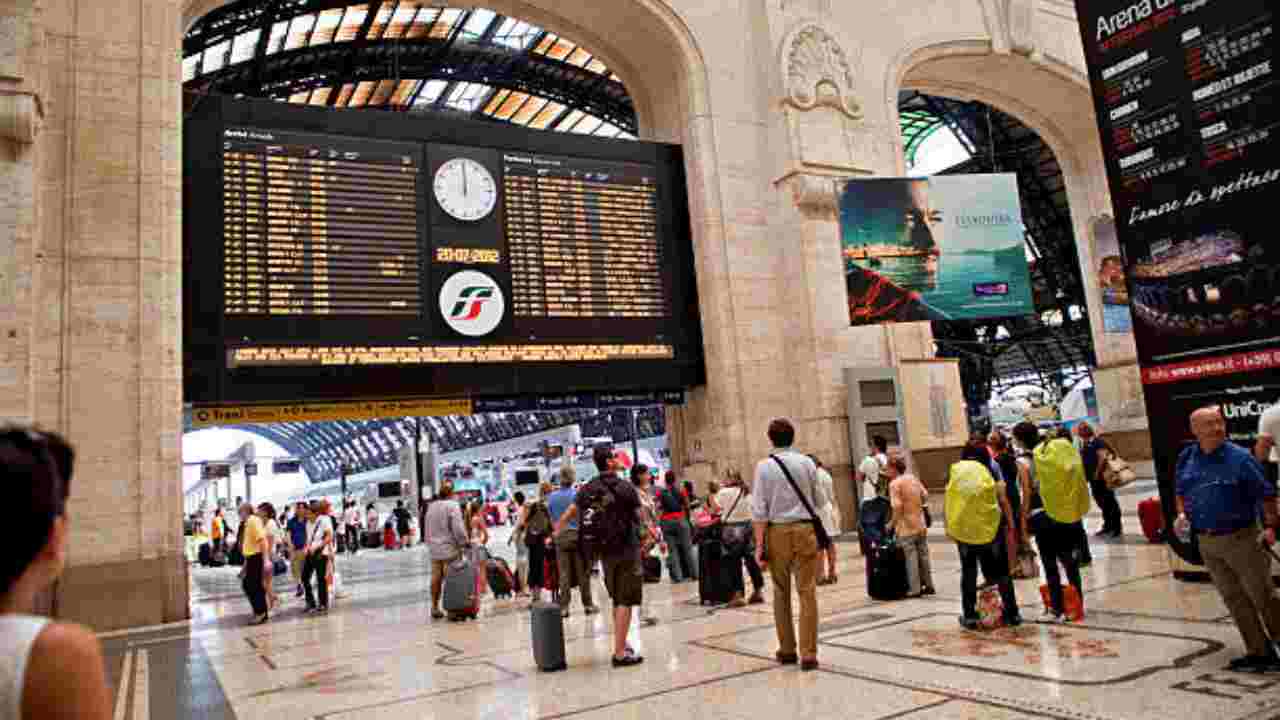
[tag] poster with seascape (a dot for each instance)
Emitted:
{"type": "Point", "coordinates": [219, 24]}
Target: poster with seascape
{"type": "Point", "coordinates": [949, 247]}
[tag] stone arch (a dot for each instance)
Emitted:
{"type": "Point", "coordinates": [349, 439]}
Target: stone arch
{"type": "Point", "coordinates": [1052, 98]}
{"type": "Point", "coordinates": [654, 52]}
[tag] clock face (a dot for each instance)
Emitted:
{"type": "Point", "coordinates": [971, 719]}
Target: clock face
{"type": "Point", "coordinates": [465, 189]}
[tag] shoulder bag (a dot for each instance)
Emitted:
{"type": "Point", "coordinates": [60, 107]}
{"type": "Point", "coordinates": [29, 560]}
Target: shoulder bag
{"type": "Point", "coordinates": [1116, 473]}
{"type": "Point", "coordinates": [736, 537]}
{"type": "Point", "coordinates": [824, 540]}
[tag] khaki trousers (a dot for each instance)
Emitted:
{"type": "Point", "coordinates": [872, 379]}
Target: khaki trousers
{"type": "Point", "coordinates": [793, 550]}
{"type": "Point", "coordinates": [574, 568]}
{"type": "Point", "coordinates": [1241, 570]}
{"type": "Point", "coordinates": [297, 560]}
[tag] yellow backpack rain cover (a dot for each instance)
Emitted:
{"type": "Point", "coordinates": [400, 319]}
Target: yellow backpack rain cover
{"type": "Point", "coordinates": [973, 513]}
{"type": "Point", "coordinates": [1060, 472]}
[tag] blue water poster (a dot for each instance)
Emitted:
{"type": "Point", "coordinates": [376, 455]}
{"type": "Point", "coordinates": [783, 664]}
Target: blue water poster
{"type": "Point", "coordinates": [948, 247]}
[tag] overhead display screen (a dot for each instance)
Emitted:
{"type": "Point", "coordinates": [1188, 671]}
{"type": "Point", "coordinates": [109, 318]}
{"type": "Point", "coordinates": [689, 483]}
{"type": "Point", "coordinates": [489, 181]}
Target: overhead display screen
{"type": "Point", "coordinates": [331, 256]}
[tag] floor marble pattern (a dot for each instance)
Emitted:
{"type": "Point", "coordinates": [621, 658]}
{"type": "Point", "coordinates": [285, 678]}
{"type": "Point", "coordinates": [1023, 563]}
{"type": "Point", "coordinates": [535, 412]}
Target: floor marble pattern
{"type": "Point", "coordinates": [1150, 646]}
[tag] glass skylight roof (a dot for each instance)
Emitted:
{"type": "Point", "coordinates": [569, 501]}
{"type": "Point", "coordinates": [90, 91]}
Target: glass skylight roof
{"type": "Point", "coordinates": [422, 21]}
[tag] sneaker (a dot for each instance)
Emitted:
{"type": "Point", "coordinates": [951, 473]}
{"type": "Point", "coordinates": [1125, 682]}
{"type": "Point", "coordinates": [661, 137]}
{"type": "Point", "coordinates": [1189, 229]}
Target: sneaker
{"type": "Point", "coordinates": [928, 591]}
{"type": "Point", "coordinates": [1252, 664]}
{"type": "Point", "coordinates": [627, 660]}
{"type": "Point", "coordinates": [756, 598]}
{"type": "Point", "coordinates": [437, 615]}
{"type": "Point", "coordinates": [299, 593]}
{"type": "Point", "coordinates": [809, 664]}
{"type": "Point", "coordinates": [259, 619]}
{"type": "Point", "coordinates": [1049, 617]}
{"type": "Point", "coordinates": [970, 623]}
{"type": "Point", "coordinates": [648, 621]}
{"type": "Point", "coordinates": [1013, 620]}
{"type": "Point", "coordinates": [787, 658]}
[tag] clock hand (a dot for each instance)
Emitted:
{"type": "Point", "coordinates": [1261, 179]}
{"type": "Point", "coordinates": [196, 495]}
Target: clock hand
{"type": "Point", "coordinates": [465, 193]}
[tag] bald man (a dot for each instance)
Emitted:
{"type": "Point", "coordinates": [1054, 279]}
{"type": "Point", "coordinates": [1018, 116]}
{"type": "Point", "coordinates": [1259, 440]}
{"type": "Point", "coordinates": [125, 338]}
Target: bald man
{"type": "Point", "coordinates": [1221, 494]}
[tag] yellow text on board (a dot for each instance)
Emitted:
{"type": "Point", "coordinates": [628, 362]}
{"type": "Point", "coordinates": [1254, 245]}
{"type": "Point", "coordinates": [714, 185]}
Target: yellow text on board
{"type": "Point", "coordinates": [314, 412]}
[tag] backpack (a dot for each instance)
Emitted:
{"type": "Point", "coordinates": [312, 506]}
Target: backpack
{"type": "Point", "coordinates": [1060, 472]}
{"type": "Point", "coordinates": [539, 522]}
{"type": "Point", "coordinates": [973, 511]}
{"type": "Point", "coordinates": [670, 501]}
{"type": "Point", "coordinates": [605, 524]}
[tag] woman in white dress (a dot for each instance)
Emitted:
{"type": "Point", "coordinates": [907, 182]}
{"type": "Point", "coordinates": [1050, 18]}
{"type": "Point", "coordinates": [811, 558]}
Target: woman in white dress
{"type": "Point", "coordinates": [829, 514]}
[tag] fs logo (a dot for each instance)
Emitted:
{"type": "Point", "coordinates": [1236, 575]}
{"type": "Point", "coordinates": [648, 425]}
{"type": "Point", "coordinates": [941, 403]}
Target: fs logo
{"type": "Point", "coordinates": [472, 303]}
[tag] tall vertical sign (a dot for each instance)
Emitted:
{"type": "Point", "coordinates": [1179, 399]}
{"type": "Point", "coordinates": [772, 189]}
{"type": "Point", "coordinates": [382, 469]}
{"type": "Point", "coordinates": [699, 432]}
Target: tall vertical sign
{"type": "Point", "coordinates": [1185, 93]}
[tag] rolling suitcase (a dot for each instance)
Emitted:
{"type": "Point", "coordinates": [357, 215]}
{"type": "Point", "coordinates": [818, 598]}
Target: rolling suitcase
{"type": "Point", "coordinates": [461, 595]}
{"type": "Point", "coordinates": [1151, 515]}
{"type": "Point", "coordinates": [205, 555]}
{"type": "Point", "coordinates": [652, 569]}
{"type": "Point", "coordinates": [501, 581]}
{"type": "Point", "coordinates": [547, 624]}
{"type": "Point", "coordinates": [713, 581]}
{"type": "Point", "coordinates": [887, 571]}
{"type": "Point", "coordinates": [389, 539]}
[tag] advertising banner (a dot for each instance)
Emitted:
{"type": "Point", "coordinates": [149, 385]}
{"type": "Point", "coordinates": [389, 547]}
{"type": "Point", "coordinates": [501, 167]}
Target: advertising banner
{"type": "Point", "coordinates": [1185, 99]}
{"type": "Point", "coordinates": [1114, 291]}
{"type": "Point", "coordinates": [948, 247]}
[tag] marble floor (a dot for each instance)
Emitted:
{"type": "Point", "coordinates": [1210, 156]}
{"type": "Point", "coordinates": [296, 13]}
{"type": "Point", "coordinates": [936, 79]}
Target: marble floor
{"type": "Point", "coordinates": [1151, 646]}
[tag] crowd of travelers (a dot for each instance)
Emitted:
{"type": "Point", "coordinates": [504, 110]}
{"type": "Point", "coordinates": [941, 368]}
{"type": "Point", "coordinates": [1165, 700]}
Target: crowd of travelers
{"type": "Point", "coordinates": [1002, 495]}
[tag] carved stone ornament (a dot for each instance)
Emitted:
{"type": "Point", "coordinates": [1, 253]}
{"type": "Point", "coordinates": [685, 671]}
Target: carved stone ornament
{"type": "Point", "coordinates": [21, 114]}
{"type": "Point", "coordinates": [818, 73]}
{"type": "Point", "coordinates": [815, 195]}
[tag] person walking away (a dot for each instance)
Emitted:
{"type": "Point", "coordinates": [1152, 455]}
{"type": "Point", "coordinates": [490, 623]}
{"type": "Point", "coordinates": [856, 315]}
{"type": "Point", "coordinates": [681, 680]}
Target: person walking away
{"type": "Point", "coordinates": [297, 528]}
{"type": "Point", "coordinates": [479, 537]}
{"type": "Point", "coordinates": [977, 507]}
{"type": "Point", "coordinates": [446, 538]}
{"type": "Point", "coordinates": [610, 514]}
{"type": "Point", "coordinates": [1093, 450]}
{"type": "Point", "coordinates": [217, 532]}
{"type": "Point", "coordinates": [535, 524]}
{"type": "Point", "coordinates": [47, 669]}
{"type": "Point", "coordinates": [1221, 490]}
{"type": "Point", "coordinates": [522, 551]}
{"type": "Point", "coordinates": [674, 521]}
{"type": "Point", "coordinates": [571, 558]}
{"type": "Point", "coordinates": [402, 524]}
{"type": "Point", "coordinates": [351, 518]}
{"type": "Point", "coordinates": [907, 496]}
{"type": "Point", "coordinates": [1056, 540]}
{"type": "Point", "coordinates": [275, 537]}
{"type": "Point", "coordinates": [871, 467]}
{"type": "Point", "coordinates": [371, 520]}
{"type": "Point", "coordinates": [830, 515]}
{"type": "Point", "coordinates": [1007, 462]}
{"type": "Point", "coordinates": [784, 520]}
{"type": "Point", "coordinates": [319, 543]}
{"type": "Point", "coordinates": [256, 549]}
{"type": "Point", "coordinates": [650, 532]}
{"type": "Point", "coordinates": [739, 545]}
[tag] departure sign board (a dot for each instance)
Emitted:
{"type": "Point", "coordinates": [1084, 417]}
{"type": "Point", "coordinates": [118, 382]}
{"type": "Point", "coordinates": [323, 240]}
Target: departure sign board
{"type": "Point", "coordinates": [332, 256]}
{"type": "Point", "coordinates": [317, 226]}
{"type": "Point", "coordinates": [583, 238]}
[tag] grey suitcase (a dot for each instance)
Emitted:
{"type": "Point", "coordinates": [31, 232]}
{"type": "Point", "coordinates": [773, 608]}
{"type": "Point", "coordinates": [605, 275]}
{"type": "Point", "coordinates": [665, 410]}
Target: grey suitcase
{"type": "Point", "coordinates": [548, 637]}
{"type": "Point", "coordinates": [461, 596]}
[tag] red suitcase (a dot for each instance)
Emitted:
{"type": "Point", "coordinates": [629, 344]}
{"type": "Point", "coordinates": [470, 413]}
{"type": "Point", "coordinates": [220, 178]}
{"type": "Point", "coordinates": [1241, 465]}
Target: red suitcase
{"type": "Point", "coordinates": [1151, 514]}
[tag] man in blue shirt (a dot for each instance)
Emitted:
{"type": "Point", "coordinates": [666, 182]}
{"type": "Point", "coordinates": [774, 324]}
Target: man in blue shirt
{"type": "Point", "coordinates": [297, 527]}
{"type": "Point", "coordinates": [1222, 491]}
{"type": "Point", "coordinates": [575, 566]}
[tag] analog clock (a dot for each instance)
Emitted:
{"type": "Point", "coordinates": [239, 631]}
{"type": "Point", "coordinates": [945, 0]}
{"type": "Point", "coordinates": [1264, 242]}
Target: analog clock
{"type": "Point", "coordinates": [465, 189]}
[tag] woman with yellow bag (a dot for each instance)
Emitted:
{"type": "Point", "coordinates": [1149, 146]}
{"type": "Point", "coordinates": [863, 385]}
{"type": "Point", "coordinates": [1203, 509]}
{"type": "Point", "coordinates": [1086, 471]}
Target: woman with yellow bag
{"type": "Point", "coordinates": [1059, 498]}
{"type": "Point", "coordinates": [977, 513]}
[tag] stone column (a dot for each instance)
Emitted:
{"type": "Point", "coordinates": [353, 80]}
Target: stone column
{"type": "Point", "coordinates": [106, 360]}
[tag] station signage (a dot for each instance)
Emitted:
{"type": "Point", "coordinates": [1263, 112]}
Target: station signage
{"type": "Point", "coordinates": [1185, 99]}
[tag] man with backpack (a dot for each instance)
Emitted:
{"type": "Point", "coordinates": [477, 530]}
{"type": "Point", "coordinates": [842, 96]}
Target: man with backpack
{"type": "Point", "coordinates": [608, 510]}
{"type": "Point", "coordinates": [674, 521]}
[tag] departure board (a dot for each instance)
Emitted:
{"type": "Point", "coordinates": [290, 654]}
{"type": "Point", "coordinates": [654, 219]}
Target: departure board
{"type": "Point", "coordinates": [315, 225]}
{"type": "Point", "coordinates": [583, 238]}
{"type": "Point", "coordinates": [345, 255]}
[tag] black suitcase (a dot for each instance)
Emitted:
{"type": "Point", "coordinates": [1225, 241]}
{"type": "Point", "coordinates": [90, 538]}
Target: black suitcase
{"type": "Point", "coordinates": [713, 578]}
{"type": "Point", "coordinates": [652, 569]}
{"type": "Point", "coordinates": [887, 571]}
{"type": "Point", "coordinates": [547, 624]}
{"type": "Point", "coordinates": [501, 581]}
{"type": "Point", "coordinates": [206, 555]}
{"type": "Point", "coordinates": [235, 557]}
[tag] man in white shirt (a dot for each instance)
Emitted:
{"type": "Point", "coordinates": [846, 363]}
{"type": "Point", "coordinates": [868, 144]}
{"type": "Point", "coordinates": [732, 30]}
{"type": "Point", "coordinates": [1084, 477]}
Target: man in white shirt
{"type": "Point", "coordinates": [1267, 449]}
{"type": "Point", "coordinates": [778, 511]}
{"type": "Point", "coordinates": [871, 468]}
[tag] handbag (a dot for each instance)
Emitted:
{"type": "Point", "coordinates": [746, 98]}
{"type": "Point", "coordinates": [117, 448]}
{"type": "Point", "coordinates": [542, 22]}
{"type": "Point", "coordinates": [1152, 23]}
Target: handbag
{"type": "Point", "coordinates": [703, 519]}
{"type": "Point", "coordinates": [928, 518]}
{"type": "Point", "coordinates": [1116, 473]}
{"type": "Point", "coordinates": [736, 537]}
{"type": "Point", "coordinates": [824, 540]}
